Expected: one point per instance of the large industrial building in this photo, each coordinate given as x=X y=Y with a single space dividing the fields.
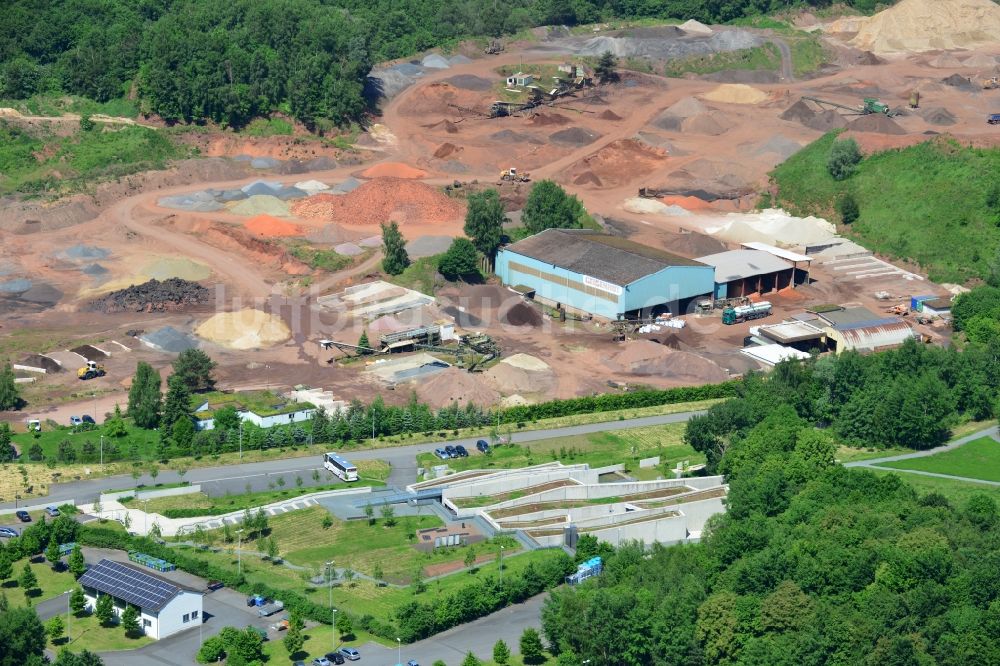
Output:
x=165 y=607
x=602 y=275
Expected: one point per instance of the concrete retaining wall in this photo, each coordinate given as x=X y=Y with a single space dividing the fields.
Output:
x=595 y=491
x=34 y=507
x=151 y=494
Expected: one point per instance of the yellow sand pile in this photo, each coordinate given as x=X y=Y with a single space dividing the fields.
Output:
x=928 y=25
x=246 y=329
x=736 y=93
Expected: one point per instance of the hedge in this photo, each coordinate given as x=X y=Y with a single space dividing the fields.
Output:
x=609 y=402
x=418 y=619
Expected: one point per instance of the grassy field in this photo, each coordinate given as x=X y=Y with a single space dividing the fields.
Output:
x=362 y=596
x=304 y=541
x=40 y=162
x=319 y=641
x=86 y=633
x=759 y=58
x=907 y=202
x=57 y=105
x=50 y=584
x=979 y=459
x=320 y=258
x=596 y=449
x=846 y=454
x=957 y=492
x=420 y=275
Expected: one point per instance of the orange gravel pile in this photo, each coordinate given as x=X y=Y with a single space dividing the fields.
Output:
x=381 y=200
x=690 y=203
x=393 y=170
x=266 y=225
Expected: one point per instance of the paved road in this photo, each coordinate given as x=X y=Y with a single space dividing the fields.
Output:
x=234 y=478
x=954 y=444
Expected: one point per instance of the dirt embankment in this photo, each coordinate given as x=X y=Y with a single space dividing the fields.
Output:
x=259 y=251
x=380 y=200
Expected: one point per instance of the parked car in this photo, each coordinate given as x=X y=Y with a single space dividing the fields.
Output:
x=450 y=450
x=461 y=451
x=350 y=653
x=299 y=663
x=8 y=532
x=214 y=585
x=23 y=516
x=75 y=420
x=321 y=661
x=412 y=662
x=52 y=511
x=441 y=453
x=335 y=657
x=483 y=446
x=87 y=418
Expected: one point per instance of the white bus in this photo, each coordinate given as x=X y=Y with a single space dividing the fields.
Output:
x=340 y=466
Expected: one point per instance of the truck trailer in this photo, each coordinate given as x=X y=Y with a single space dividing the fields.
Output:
x=742 y=313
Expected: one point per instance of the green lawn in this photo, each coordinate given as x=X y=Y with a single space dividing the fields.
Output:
x=420 y=275
x=907 y=202
x=319 y=641
x=303 y=541
x=362 y=596
x=846 y=454
x=86 y=633
x=596 y=449
x=957 y=492
x=979 y=459
x=50 y=584
x=137 y=444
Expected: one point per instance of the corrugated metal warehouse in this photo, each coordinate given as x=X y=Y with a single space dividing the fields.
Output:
x=863 y=330
x=602 y=275
x=744 y=272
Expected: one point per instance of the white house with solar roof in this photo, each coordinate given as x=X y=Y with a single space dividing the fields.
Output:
x=165 y=607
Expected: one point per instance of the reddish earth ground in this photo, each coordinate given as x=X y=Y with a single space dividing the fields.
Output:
x=601 y=148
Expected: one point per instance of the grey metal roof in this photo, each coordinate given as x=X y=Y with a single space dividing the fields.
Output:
x=131 y=584
x=610 y=258
x=851 y=318
x=741 y=264
x=877 y=337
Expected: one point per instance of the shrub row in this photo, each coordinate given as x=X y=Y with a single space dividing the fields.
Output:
x=418 y=619
x=608 y=402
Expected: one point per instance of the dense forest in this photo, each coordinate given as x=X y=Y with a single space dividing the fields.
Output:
x=909 y=397
x=813 y=563
x=228 y=62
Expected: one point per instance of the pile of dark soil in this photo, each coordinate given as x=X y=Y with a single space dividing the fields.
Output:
x=153 y=296
x=799 y=112
x=960 y=82
x=824 y=121
x=522 y=314
x=463 y=319
x=609 y=115
x=574 y=136
x=869 y=58
x=877 y=123
x=939 y=116
x=510 y=136
x=470 y=82
x=90 y=352
x=39 y=361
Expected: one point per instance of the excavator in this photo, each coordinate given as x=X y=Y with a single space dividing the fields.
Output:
x=991 y=83
x=91 y=370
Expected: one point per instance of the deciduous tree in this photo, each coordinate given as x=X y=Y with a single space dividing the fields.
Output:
x=394 y=259
x=532 y=651
x=484 y=221
x=549 y=207
x=145 y=399
x=459 y=262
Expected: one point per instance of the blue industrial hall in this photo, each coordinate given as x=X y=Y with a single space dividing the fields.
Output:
x=602 y=275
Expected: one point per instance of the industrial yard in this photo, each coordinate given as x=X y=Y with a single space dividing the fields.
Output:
x=676 y=167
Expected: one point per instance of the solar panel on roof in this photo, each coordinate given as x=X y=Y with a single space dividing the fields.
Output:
x=130 y=585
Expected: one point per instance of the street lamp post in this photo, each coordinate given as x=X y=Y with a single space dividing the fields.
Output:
x=333 y=611
x=399 y=651
x=501 y=566
x=69 y=620
x=145 y=517
x=241 y=439
x=239 y=552
x=102 y=452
